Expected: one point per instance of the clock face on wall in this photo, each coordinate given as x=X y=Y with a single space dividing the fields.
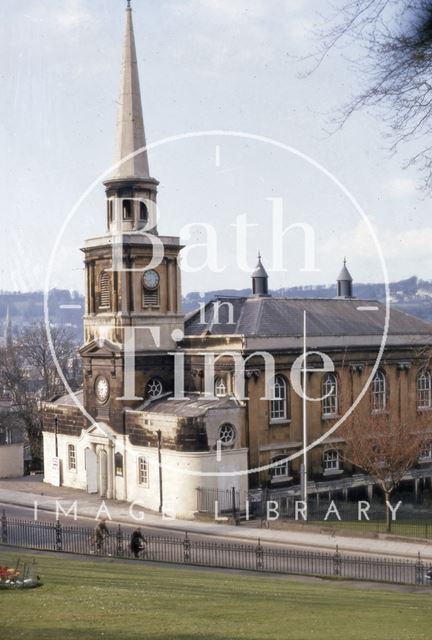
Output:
x=151 y=279
x=102 y=389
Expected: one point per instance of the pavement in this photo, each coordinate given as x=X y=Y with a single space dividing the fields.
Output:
x=25 y=492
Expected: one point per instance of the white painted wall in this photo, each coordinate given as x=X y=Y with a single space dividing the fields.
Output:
x=68 y=478
x=182 y=472
x=11 y=460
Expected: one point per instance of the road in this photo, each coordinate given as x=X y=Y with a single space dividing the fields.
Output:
x=76 y=536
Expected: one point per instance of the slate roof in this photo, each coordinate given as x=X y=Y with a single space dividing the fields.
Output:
x=270 y=317
x=67 y=399
x=196 y=405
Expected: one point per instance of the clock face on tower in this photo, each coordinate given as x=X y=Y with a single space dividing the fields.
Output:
x=102 y=389
x=151 y=279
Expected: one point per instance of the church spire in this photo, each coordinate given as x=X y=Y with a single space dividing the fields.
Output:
x=130 y=122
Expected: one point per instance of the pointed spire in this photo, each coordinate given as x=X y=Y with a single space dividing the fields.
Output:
x=130 y=123
x=259 y=279
x=344 y=283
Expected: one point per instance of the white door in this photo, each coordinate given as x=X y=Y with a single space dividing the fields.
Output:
x=103 y=473
x=91 y=470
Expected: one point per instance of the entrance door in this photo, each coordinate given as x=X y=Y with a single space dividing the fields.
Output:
x=103 y=473
x=91 y=469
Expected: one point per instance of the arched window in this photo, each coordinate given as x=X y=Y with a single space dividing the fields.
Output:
x=143 y=212
x=118 y=464
x=220 y=388
x=379 y=400
x=329 y=394
x=278 y=406
x=127 y=209
x=424 y=390
x=331 y=461
x=104 y=290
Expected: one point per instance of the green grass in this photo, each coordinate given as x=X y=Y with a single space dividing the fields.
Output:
x=116 y=601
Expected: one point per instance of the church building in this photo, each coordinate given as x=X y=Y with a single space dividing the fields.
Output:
x=153 y=427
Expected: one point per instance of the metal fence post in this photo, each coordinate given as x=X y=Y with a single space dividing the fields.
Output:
x=419 y=570
x=259 y=555
x=59 y=536
x=186 y=548
x=337 y=562
x=119 y=539
x=4 y=535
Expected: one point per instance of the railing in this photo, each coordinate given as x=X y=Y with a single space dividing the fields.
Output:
x=363 y=518
x=218 y=501
x=183 y=550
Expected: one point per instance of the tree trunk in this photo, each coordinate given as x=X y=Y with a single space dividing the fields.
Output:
x=387 y=495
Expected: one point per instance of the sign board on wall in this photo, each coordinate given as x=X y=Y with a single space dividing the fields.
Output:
x=55 y=471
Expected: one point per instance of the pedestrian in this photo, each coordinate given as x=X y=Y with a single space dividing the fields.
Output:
x=101 y=532
x=137 y=542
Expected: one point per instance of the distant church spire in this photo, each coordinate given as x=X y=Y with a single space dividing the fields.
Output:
x=344 y=283
x=130 y=122
x=260 y=280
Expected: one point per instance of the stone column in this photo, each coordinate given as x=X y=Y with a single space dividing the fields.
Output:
x=92 y=291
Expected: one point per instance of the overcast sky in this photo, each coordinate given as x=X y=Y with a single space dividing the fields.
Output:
x=204 y=65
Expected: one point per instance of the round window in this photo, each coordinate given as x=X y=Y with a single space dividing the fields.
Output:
x=154 y=388
x=227 y=434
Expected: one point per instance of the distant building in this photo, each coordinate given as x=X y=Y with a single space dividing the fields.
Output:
x=143 y=444
x=12 y=439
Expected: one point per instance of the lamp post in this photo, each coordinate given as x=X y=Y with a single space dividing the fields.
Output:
x=55 y=435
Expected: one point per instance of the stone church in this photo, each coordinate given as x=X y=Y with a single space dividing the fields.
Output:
x=156 y=424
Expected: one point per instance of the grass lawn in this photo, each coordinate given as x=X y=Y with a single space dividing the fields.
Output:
x=86 y=599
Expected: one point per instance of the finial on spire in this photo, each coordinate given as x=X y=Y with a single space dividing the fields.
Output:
x=129 y=4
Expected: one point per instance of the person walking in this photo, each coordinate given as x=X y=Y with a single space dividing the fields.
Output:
x=137 y=542
x=101 y=532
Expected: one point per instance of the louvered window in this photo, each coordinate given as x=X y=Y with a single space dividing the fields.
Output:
x=150 y=297
x=105 y=290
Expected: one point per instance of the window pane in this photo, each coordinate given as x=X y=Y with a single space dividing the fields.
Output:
x=278 y=406
x=330 y=395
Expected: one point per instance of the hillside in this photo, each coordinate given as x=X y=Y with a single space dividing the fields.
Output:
x=413 y=296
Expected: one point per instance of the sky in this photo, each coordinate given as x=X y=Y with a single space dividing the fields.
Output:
x=235 y=66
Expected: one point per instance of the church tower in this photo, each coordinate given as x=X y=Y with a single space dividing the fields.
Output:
x=133 y=286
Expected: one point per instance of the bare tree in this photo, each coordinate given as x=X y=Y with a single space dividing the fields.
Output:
x=28 y=374
x=385 y=447
x=24 y=404
x=395 y=40
x=37 y=354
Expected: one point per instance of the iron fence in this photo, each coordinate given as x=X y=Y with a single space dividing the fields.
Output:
x=184 y=550
x=361 y=517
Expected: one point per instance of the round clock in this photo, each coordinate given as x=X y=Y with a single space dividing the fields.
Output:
x=102 y=389
x=151 y=279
